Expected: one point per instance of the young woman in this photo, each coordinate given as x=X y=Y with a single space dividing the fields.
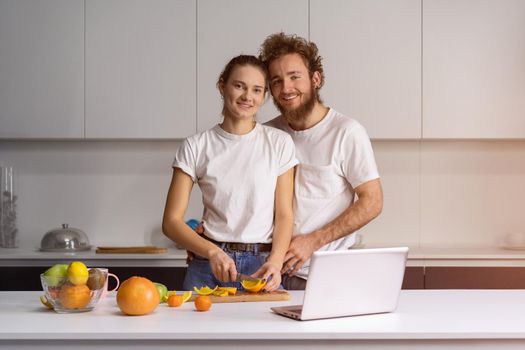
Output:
x=245 y=173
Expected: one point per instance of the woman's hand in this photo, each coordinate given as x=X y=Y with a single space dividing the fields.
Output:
x=222 y=266
x=272 y=273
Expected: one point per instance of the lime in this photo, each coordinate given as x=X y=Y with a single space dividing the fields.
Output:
x=163 y=291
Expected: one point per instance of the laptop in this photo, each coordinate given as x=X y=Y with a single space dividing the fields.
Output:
x=350 y=282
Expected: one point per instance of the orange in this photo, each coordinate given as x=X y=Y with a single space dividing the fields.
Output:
x=175 y=300
x=137 y=296
x=74 y=296
x=202 y=303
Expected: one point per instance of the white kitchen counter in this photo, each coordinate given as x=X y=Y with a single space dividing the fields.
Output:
x=426 y=256
x=440 y=319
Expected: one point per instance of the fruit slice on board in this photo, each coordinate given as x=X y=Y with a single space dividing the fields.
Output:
x=204 y=290
x=253 y=286
x=220 y=293
x=230 y=290
x=186 y=295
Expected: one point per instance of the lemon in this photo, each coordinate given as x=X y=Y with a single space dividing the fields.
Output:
x=253 y=286
x=204 y=290
x=46 y=302
x=77 y=273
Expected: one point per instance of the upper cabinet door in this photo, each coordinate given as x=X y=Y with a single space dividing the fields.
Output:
x=372 y=60
x=140 y=69
x=228 y=28
x=473 y=69
x=42 y=69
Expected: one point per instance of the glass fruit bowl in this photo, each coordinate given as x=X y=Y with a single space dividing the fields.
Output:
x=67 y=297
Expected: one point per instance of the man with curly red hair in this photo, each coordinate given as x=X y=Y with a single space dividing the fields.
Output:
x=337 y=185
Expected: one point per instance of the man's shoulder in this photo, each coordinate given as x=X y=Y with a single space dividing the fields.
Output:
x=343 y=121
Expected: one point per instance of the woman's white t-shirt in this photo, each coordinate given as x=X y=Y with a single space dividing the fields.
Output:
x=237 y=175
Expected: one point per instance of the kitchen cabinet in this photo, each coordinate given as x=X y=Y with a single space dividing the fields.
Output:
x=473 y=69
x=474 y=277
x=228 y=28
x=140 y=69
x=42 y=69
x=372 y=60
x=28 y=277
x=414 y=278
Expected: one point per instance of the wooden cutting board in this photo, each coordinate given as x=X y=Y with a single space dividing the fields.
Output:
x=131 y=250
x=277 y=295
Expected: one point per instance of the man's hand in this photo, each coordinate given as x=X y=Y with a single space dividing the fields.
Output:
x=301 y=249
x=271 y=273
x=222 y=266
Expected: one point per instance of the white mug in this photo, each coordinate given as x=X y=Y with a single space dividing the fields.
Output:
x=105 y=288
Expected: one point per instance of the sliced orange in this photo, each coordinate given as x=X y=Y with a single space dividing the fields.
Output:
x=220 y=293
x=186 y=296
x=253 y=286
x=204 y=290
x=230 y=290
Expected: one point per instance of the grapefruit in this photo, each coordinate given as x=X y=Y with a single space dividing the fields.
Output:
x=137 y=296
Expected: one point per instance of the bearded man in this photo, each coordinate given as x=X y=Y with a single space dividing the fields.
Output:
x=337 y=185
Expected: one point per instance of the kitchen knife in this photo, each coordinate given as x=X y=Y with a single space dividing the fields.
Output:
x=242 y=277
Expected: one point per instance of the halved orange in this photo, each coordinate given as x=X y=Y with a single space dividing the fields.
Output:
x=253 y=286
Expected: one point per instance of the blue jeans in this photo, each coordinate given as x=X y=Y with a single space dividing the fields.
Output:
x=199 y=272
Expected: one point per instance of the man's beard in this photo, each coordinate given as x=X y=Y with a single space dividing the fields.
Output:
x=302 y=112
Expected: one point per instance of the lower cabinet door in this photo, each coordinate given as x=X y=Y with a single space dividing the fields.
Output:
x=479 y=277
x=28 y=277
x=414 y=278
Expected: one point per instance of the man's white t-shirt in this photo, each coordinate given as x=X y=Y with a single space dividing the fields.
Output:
x=237 y=175
x=335 y=156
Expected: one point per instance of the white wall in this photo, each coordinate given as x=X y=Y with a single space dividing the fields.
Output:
x=439 y=193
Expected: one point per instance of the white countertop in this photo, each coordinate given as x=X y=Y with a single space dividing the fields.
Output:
x=421 y=314
x=417 y=256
